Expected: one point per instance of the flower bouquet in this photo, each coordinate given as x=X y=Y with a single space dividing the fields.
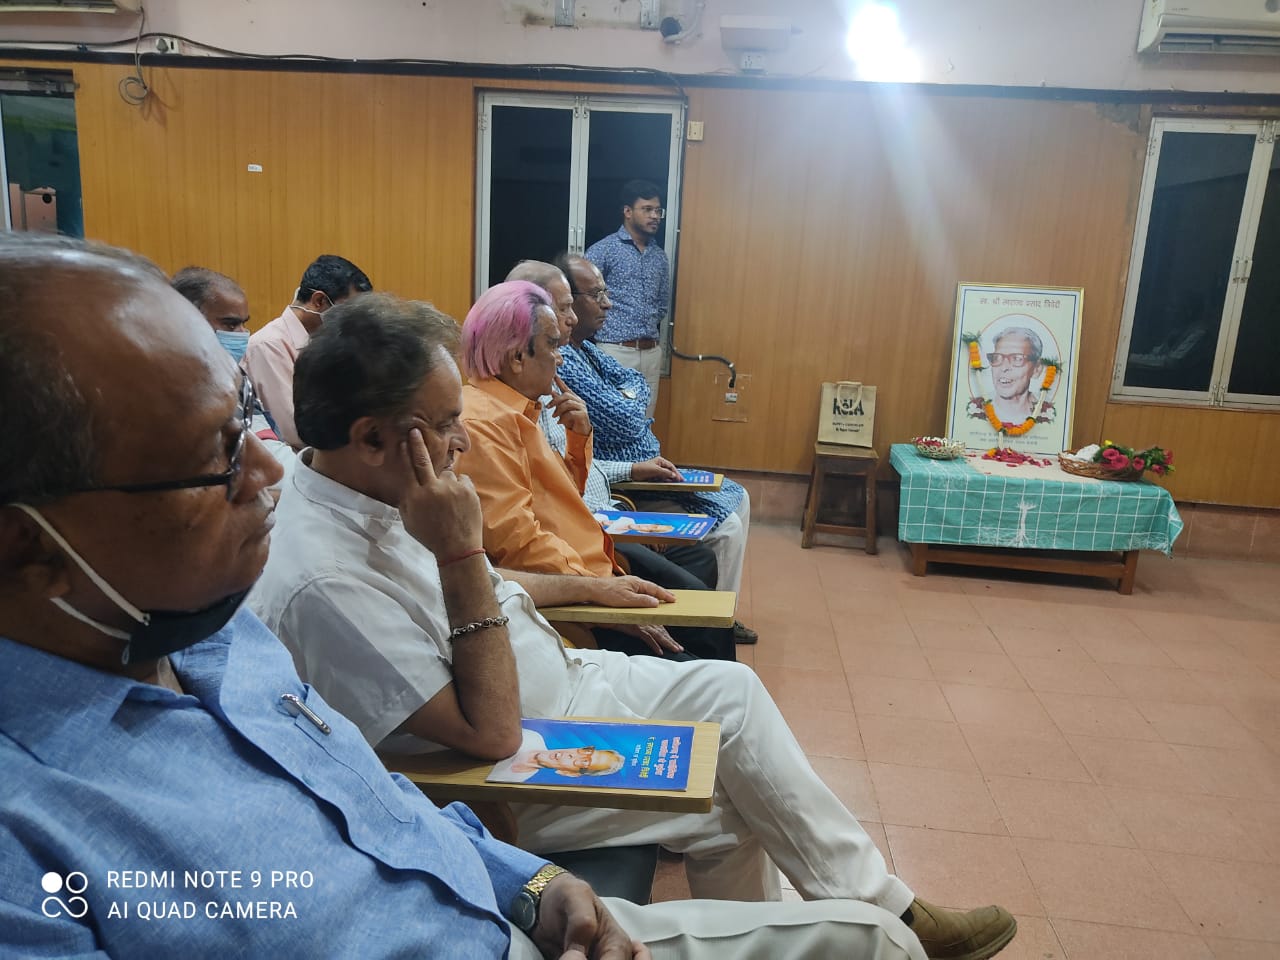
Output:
x=1111 y=461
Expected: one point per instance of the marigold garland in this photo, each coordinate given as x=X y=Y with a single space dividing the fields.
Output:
x=988 y=406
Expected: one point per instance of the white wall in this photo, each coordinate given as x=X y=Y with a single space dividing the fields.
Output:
x=1052 y=43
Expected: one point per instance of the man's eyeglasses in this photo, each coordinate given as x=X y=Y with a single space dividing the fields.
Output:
x=230 y=478
x=658 y=212
x=599 y=296
x=1013 y=359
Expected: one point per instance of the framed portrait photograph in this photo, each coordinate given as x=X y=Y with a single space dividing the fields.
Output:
x=1013 y=369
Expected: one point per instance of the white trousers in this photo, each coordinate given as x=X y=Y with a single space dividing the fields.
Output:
x=728 y=541
x=769 y=806
x=647 y=362
x=698 y=929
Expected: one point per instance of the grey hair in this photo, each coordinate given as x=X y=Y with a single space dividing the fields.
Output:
x=197 y=284
x=537 y=272
x=49 y=446
x=1033 y=338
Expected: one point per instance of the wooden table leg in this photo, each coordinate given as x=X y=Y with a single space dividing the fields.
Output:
x=919 y=558
x=870 y=480
x=1130 y=572
x=811 y=506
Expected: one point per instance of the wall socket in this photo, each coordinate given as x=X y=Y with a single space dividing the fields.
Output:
x=751 y=61
x=170 y=46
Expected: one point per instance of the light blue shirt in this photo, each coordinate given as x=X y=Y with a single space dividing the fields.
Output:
x=105 y=776
x=639 y=287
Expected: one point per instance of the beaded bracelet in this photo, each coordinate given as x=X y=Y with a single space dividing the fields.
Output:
x=459 y=632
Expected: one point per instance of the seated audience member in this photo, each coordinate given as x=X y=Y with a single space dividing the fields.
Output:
x=617 y=399
x=535 y=518
x=273 y=349
x=378 y=585
x=223 y=304
x=148 y=729
x=697 y=559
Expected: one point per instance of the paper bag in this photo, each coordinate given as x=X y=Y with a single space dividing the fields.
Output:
x=847 y=414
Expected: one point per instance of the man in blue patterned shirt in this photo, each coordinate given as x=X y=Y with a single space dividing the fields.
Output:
x=639 y=279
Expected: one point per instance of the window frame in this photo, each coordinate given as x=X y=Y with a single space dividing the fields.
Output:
x=1218 y=394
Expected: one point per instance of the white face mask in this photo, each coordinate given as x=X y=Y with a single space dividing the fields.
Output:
x=314 y=313
x=159 y=632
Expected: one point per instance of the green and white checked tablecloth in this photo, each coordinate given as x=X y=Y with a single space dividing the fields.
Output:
x=949 y=501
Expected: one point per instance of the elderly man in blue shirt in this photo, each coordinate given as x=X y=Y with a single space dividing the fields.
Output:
x=170 y=787
x=639 y=279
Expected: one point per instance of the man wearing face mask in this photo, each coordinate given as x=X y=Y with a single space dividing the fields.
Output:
x=272 y=350
x=223 y=304
x=149 y=727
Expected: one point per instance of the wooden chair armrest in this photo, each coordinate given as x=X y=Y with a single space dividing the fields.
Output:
x=692 y=608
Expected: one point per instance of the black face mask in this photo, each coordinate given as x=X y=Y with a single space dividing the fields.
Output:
x=158 y=632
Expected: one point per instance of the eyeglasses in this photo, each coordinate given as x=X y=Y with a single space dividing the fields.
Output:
x=230 y=478
x=658 y=212
x=1013 y=359
x=599 y=296
x=583 y=757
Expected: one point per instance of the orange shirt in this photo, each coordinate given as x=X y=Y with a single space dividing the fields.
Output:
x=534 y=516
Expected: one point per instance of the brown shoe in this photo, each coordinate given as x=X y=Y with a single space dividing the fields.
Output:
x=953 y=935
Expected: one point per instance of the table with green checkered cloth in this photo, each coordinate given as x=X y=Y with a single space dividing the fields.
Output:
x=949 y=501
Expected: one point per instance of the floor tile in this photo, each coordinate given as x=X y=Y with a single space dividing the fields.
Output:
x=1060 y=675
x=963 y=869
x=1206 y=725
x=1209 y=656
x=1035 y=940
x=895 y=697
x=935 y=605
x=1100 y=884
x=826 y=733
x=1224 y=949
x=1129 y=650
x=1247 y=774
x=977 y=669
x=913 y=742
x=1135 y=763
x=1260 y=820
x=824 y=689
x=851 y=782
x=1009 y=751
x=937 y=799
x=1098 y=716
x=1147 y=682
x=946 y=635
x=884 y=660
x=1240 y=899
x=1054 y=810
x=1179 y=823
x=1097 y=941
x=1015 y=709
x=1029 y=642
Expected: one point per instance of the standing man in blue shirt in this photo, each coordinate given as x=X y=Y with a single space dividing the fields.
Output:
x=639 y=279
x=170 y=787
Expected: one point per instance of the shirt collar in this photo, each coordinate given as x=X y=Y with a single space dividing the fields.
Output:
x=293 y=327
x=58 y=709
x=510 y=398
x=626 y=237
x=373 y=516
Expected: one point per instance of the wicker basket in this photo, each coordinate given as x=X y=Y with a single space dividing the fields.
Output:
x=941 y=448
x=1097 y=471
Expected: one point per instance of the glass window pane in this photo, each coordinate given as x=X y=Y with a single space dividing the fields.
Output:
x=532 y=149
x=42 y=160
x=624 y=146
x=1195 y=214
x=1256 y=365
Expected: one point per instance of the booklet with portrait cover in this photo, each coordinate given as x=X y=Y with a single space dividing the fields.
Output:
x=667 y=526
x=591 y=753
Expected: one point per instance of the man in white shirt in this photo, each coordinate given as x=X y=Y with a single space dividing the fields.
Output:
x=379 y=587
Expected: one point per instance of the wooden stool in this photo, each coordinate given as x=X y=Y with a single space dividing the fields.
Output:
x=837 y=460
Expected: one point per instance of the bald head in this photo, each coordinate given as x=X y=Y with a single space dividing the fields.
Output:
x=553 y=281
x=80 y=328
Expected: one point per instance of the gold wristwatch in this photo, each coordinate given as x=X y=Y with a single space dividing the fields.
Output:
x=524 y=908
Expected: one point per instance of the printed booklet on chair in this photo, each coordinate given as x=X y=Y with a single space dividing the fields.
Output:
x=590 y=753
x=696 y=476
x=665 y=526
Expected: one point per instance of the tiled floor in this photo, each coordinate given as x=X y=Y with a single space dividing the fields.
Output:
x=1106 y=767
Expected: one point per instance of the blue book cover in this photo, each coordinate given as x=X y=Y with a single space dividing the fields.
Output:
x=668 y=526
x=697 y=476
x=589 y=753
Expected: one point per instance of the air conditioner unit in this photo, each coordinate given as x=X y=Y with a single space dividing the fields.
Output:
x=1210 y=26
x=70 y=6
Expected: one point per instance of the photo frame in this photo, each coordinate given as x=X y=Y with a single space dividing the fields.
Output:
x=1014 y=353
